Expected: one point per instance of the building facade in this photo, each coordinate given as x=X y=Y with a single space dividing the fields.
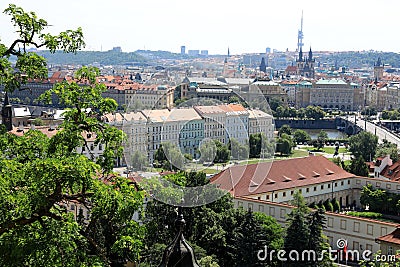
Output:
x=330 y=94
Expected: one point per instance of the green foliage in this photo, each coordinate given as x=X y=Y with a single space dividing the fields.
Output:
x=358 y=167
x=274 y=103
x=328 y=205
x=363 y=144
x=387 y=148
x=301 y=136
x=285 y=129
x=390 y=114
x=322 y=135
x=208 y=261
x=139 y=161
x=37 y=122
x=40 y=176
x=379 y=200
x=365 y=214
x=335 y=205
x=169 y=157
x=370 y=111
x=85 y=58
x=222 y=231
x=31 y=33
x=284 y=144
x=238 y=150
x=315 y=113
x=259 y=146
x=304 y=231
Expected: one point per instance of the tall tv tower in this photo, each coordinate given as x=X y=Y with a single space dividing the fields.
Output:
x=300 y=34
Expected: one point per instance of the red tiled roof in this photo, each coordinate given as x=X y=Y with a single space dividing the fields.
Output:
x=44 y=129
x=291 y=68
x=393 y=237
x=270 y=176
x=392 y=172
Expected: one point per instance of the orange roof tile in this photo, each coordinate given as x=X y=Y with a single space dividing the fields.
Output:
x=283 y=174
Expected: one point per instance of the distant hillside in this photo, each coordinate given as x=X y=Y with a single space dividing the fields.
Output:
x=149 y=54
x=90 y=57
x=360 y=59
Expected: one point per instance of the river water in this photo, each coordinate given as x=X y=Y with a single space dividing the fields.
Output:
x=332 y=134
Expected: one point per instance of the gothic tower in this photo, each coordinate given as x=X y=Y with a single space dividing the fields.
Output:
x=378 y=69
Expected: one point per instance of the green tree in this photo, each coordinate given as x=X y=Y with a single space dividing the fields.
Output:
x=358 y=167
x=139 y=161
x=37 y=122
x=336 y=205
x=304 y=231
x=374 y=198
x=363 y=144
x=275 y=102
x=301 y=136
x=387 y=148
x=285 y=129
x=322 y=135
x=208 y=261
x=315 y=113
x=284 y=144
x=169 y=157
x=238 y=151
x=297 y=231
x=31 y=33
x=41 y=175
x=208 y=151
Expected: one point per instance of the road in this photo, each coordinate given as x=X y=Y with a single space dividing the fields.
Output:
x=380 y=132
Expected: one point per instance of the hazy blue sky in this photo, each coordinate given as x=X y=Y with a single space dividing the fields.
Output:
x=215 y=25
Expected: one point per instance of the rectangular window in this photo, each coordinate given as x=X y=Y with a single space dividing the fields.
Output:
x=343 y=224
x=272 y=211
x=283 y=214
x=330 y=222
x=356 y=227
x=370 y=229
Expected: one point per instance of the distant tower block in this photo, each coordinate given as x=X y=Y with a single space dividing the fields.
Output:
x=300 y=35
x=183 y=49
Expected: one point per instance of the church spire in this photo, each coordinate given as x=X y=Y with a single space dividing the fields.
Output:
x=310 y=55
x=301 y=55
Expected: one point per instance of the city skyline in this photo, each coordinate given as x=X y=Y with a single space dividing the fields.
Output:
x=217 y=25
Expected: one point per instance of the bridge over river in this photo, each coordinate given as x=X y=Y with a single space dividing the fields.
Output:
x=372 y=127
